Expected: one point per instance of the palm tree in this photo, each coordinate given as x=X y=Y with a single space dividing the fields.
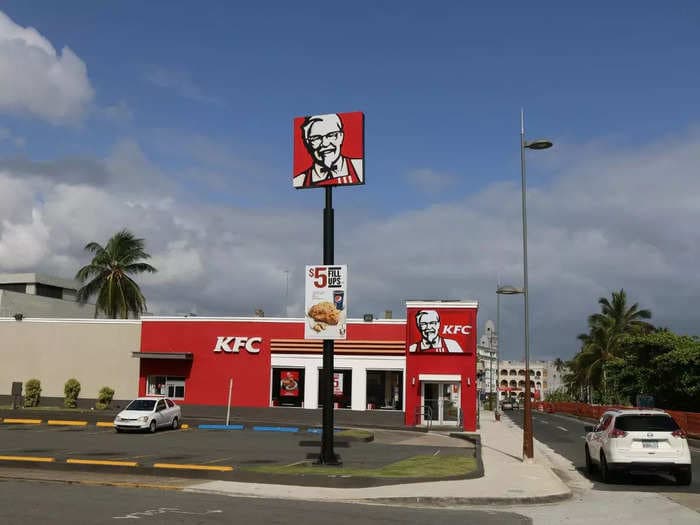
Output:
x=118 y=295
x=619 y=317
x=601 y=344
x=559 y=364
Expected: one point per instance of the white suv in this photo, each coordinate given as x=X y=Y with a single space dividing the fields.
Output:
x=628 y=439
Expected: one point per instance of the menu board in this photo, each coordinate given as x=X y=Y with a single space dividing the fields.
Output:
x=326 y=302
x=289 y=383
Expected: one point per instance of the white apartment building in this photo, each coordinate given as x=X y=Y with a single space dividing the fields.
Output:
x=507 y=377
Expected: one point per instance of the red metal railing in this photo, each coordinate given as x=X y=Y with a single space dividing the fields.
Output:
x=688 y=421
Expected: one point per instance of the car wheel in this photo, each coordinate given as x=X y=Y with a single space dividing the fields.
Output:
x=605 y=474
x=684 y=478
x=176 y=423
x=152 y=427
x=590 y=467
x=118 y=430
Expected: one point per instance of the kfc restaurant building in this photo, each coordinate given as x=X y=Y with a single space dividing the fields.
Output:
x=424 y=365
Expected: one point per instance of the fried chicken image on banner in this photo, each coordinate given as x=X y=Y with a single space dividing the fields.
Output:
x=325 y=312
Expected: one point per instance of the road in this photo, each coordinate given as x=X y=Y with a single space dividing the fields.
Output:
x=39 y=503
x=565 y=435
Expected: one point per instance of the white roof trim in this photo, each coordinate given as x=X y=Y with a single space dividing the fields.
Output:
x=455 y=378
x=442 y=304
x=151 y=318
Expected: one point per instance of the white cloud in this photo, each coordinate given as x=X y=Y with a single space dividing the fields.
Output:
x=618 y=219
x=28 y=239
x=188 y=267
x=38 y=80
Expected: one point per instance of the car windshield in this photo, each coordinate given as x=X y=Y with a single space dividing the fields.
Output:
x=646 y=423
x=142 y=404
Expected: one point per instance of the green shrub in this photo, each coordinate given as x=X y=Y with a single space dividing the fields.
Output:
x=32 y=393
x=71 y=391
x=104 y=398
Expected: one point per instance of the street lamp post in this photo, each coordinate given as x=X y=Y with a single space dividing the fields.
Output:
x=528 y=449
x=490 y=370
x=501 y=290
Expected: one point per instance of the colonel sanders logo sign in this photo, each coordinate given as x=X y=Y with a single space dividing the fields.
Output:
x=329 y=150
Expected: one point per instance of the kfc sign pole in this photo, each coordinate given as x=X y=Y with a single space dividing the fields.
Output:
x=328 y=151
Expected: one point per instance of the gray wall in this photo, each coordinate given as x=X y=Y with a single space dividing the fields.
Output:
x=12 y=303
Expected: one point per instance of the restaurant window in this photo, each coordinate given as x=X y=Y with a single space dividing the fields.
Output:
x=171 y=386
x=384 y=390
x=342 y=388
x=288 y=387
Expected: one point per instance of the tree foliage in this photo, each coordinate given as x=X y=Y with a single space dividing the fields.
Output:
x=601 y=346
x=108 y=276
x=661 y=364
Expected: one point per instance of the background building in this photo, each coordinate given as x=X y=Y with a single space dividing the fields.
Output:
x=32 y=295
x=508 y=376
x=487 y=359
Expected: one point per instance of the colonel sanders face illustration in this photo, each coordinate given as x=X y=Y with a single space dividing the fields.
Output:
x=428 y=322
x=323 y=136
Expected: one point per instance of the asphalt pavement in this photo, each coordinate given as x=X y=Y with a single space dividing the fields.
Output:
x=506 y=478
x=38 y=503
x=216 y=454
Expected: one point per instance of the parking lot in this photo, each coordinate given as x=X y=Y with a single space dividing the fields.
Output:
x=219 y=454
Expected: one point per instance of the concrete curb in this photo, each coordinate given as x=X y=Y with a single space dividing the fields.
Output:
x=455 y=501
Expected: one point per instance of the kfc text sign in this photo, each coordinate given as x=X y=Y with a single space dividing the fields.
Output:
x=221 y=350
x=233 y=345
x=329 y=150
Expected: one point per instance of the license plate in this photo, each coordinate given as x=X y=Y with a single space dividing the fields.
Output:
x=650 y=444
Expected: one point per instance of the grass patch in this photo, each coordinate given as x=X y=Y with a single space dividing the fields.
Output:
x=355 y=433
x=416 y=467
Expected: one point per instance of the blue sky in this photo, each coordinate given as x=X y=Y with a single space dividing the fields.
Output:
x=181 y=125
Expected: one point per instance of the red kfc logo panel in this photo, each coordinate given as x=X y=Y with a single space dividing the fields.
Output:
x=441 y=331
x=329 y=150
x=441 y=344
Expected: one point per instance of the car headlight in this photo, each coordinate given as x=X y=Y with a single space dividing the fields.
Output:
x=119 y=418
x=143 y=419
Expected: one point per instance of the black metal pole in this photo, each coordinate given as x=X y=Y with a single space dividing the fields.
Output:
x=328 y=456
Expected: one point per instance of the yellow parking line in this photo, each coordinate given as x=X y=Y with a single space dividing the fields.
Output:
x=66 y=423
x=103 y=462
x=27 y=458
x=23 y=421
x=192 y=467
x=105 y=424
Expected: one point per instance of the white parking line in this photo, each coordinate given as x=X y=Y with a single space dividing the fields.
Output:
x=564 y=429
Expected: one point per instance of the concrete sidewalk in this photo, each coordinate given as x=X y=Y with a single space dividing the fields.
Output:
x=507 y=479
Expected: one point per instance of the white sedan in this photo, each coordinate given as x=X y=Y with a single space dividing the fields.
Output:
x=149 y=413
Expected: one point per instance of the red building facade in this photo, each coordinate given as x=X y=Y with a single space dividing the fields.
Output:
x=266 y=362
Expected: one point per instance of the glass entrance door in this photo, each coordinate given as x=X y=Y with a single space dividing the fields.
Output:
x=442 y=403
